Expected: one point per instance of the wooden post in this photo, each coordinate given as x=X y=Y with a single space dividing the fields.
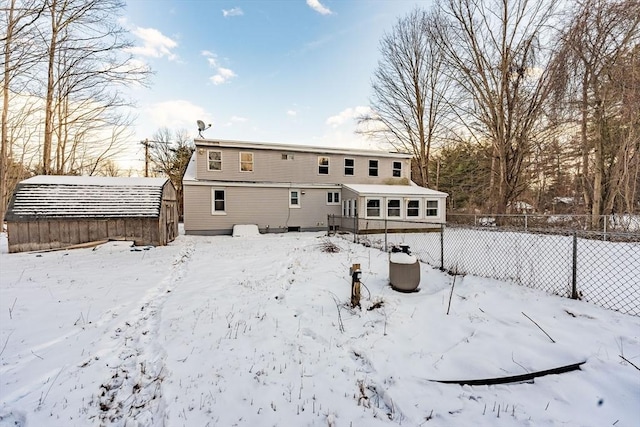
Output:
x=355 y=285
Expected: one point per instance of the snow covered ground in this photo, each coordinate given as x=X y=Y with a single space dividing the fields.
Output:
x=255 y=331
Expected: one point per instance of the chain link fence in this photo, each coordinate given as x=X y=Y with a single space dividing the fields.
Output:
x=595 y=266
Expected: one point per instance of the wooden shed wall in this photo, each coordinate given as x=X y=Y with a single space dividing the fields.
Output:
x=59 y=233
x=168 y=224
x=31 y=234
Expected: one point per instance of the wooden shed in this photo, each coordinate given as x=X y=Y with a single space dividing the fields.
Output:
x=51 y=212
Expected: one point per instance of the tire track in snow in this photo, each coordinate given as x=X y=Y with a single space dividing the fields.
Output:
x=133 y=395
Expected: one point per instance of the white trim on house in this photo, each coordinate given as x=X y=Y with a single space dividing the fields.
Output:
x=246 y=162
x=295 y=200
x=216 y=200
x=214 y=160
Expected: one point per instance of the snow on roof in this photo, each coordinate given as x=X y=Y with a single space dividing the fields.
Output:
x=296 y=148
x=190 y=172
x=83 y=196
x=95 y=180
x=400 y=190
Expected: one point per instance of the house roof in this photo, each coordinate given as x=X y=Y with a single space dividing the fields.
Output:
x=393 y=190
x=86 y=196
x=296 y=148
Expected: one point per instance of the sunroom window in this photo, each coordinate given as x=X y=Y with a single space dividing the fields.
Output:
x=393 y=208
x=373 y=208
x=432 y=208
x=413 y=208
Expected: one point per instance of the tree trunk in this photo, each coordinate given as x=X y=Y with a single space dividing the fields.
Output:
x=49 y=106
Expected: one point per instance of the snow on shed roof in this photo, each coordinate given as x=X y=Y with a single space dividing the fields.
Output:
x=86 y=196
x=394 y=190
x=95 y=180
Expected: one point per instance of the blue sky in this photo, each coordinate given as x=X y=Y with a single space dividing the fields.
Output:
x=283 y=71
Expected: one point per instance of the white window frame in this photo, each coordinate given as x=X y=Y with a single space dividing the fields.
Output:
x=377 y=167
x=251 y=162
x=395 y=170
x=299 y=194
x=419 y=209
x=320 y=158
x=352 y=167
x=209 y=160
x=346 y=206
x=399 y=208
x=215 y=211
x=380 y=207
x=334 y=196
x=354 y=207
x=428 y=208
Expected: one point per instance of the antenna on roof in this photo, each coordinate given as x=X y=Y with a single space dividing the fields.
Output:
x=201 y=127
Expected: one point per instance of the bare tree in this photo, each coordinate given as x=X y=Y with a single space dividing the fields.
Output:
x=170 y=152
x=409 y=91
x=19 y=53
x=600 y=50
x=495 y=55
x=87 y=63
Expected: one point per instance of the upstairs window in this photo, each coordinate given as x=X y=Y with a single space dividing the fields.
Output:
x=323 y=165
x=373 y=168
x=397 y=169
x=246 y=162
x=432 y=208
x=333 y=198
x=286 y=156
x=215 y=160
x=349 y=167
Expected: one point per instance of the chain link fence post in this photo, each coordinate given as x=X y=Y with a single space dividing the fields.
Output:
x=441 y=247
x=574 y=267
x=355 y=229
x=385 y=235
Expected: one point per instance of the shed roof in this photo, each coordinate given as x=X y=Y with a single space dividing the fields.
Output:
x=48 y=196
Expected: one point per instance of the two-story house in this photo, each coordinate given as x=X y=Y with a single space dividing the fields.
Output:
x=295 y=188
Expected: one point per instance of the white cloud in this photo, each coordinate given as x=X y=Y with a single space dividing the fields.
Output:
x=236 y=11
x=347 y=116
x=222 y=74
x=154 y=44
x=292 y=113
x=318 y=7
x=238 y=119
x=177 y=114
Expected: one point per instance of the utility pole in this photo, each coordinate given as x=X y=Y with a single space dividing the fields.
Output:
x=146 y=144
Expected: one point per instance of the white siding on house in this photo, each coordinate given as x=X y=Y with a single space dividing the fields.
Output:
x=268 y=207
